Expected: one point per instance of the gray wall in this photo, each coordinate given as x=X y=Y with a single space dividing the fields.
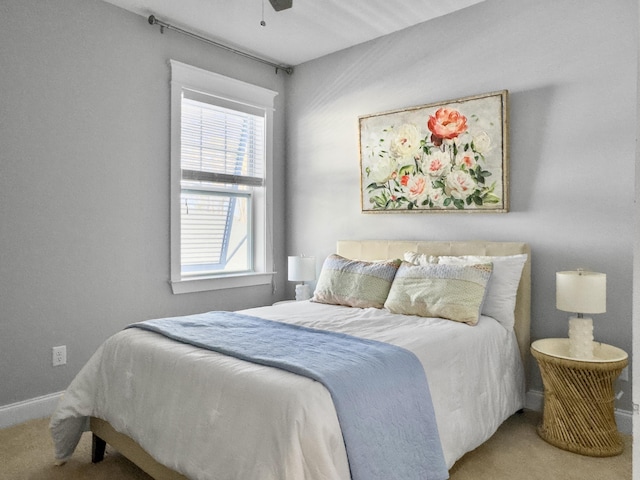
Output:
x=636 y=274
x=570 y=68
x=84 y=161
x=84 y=183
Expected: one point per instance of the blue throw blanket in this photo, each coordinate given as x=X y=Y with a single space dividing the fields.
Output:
x=380 y=391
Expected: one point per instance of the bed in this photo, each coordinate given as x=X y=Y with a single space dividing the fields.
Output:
x=203 y=415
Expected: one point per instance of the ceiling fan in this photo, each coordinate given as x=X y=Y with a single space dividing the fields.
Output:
x=280 y=4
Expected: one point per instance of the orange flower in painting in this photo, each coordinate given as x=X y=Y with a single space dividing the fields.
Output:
x=447 y=123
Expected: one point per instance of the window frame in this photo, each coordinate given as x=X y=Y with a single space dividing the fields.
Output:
x=237 y=92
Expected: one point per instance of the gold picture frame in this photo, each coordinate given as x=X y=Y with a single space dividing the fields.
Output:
x=449 y=156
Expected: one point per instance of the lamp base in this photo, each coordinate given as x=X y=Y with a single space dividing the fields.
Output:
x=303 y=292
x=581 y=338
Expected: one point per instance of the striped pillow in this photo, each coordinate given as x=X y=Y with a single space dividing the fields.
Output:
x=354 y=283
x=454 y=292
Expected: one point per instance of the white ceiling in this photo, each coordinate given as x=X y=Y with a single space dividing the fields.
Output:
x=308 y=30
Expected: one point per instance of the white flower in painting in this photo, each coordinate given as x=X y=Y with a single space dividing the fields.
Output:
x=418 y=188
x=383 y=170
x=437 y=197
x=436 y=164
x=460 y=184
x=482 y=142
x=406 y=141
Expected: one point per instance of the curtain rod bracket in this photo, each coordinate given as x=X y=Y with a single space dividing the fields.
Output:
x=154 y=21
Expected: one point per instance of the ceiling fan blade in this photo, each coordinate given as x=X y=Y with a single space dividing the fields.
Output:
x=281 y=4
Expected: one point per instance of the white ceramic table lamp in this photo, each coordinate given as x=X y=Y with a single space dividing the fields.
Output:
x=581 y=292
x=302 y=269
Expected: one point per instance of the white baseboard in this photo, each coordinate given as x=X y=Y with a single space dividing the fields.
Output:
x=624 y=418
x=31 y=409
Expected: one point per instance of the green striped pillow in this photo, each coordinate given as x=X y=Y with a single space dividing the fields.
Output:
x=354 y=283
x=454 y=292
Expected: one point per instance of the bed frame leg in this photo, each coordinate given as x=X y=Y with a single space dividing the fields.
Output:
x=98 y=447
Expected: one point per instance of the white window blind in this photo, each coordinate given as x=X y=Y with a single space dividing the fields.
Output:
x=222 y=162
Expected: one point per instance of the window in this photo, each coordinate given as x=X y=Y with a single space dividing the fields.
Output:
x=220 y=197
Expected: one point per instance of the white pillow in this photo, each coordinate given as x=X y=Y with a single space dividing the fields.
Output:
x=419 y=258
x=500 y=301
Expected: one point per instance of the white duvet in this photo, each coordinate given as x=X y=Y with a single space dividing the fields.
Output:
x=209 y=416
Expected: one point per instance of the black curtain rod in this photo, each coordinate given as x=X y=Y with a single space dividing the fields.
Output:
x=154 y=21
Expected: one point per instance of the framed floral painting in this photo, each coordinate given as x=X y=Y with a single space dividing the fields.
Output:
x=444 y=157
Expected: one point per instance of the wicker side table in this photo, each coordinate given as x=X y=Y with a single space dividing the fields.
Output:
x=578 y=410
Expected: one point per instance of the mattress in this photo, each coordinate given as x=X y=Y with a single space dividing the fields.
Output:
x=207 y=415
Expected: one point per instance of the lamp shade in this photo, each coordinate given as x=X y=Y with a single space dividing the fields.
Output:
x=581 y=292
x=302 y=269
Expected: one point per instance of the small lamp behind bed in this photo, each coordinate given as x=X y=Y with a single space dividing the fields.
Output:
x=302 y=269
x=581 y=292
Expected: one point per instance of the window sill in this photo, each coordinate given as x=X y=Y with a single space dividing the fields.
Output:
x=221 y=283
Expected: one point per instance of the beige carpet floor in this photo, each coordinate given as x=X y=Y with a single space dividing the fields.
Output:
x=514 y=452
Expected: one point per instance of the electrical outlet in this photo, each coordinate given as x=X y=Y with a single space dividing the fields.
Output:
x=624 y=375
x=59 y=355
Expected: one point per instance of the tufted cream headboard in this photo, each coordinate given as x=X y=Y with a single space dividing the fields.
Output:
x=386 y=249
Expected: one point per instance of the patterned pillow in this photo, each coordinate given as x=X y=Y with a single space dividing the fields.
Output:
x=502 y=290
x=354 y=283
x=455 y=292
